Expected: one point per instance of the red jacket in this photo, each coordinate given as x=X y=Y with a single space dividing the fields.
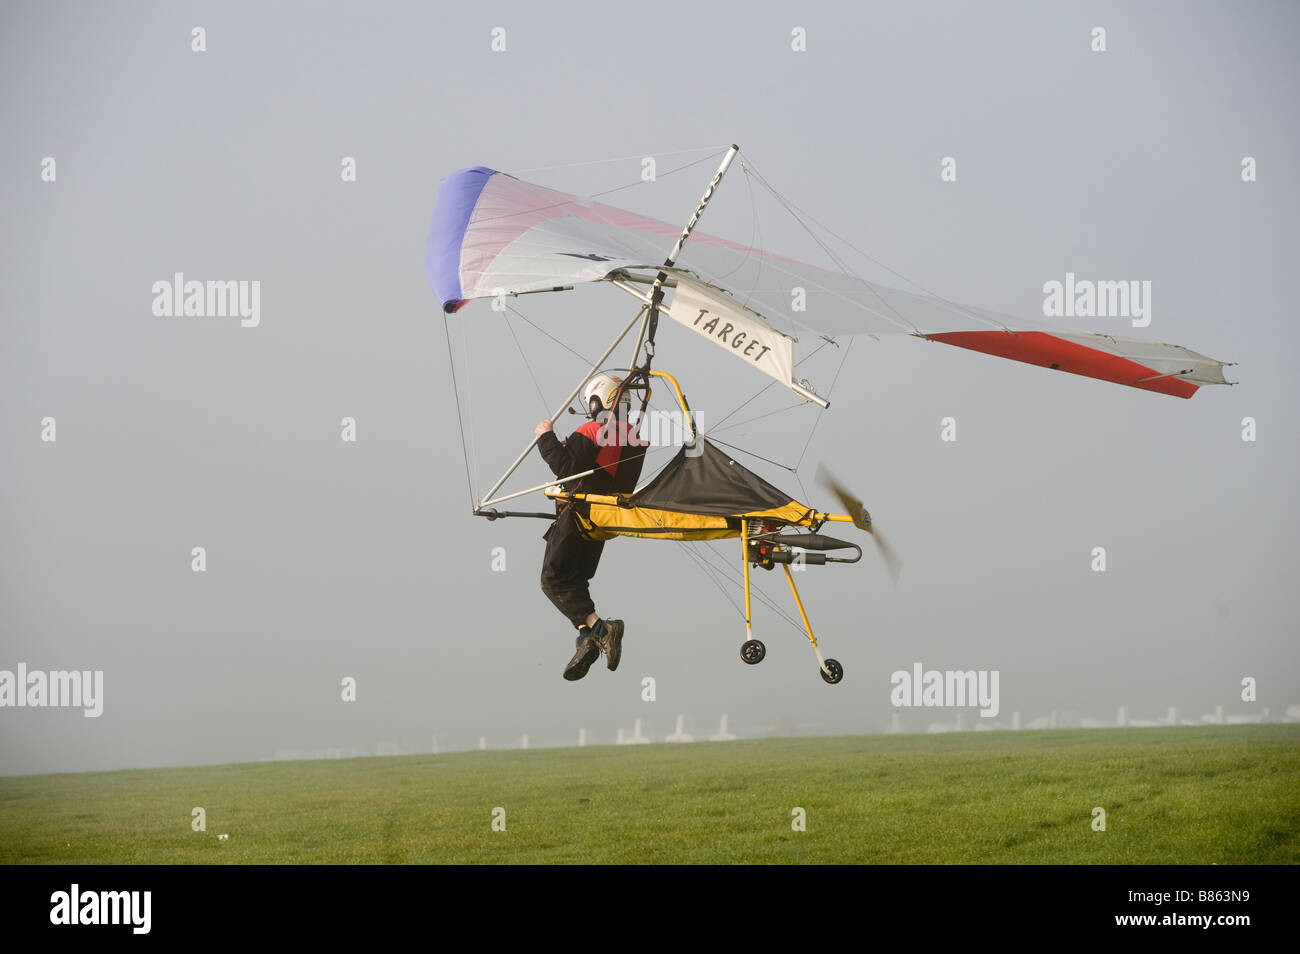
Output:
x=613 y=450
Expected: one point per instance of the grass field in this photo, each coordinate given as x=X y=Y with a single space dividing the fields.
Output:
x=1225 y=794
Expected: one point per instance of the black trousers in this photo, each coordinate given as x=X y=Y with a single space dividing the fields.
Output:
x=568 y=566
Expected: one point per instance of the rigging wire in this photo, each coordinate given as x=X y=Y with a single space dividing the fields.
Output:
x=734 y=577
x=761 y=391
x=742 y=450
x=769 y=384
x=717 y=428
x=791 y=208
x=756 y=230
x=711 y=574
x=760 y=417
x=825 y=341
x=715 y=573
x=802 y=489
x=663 y=175
x=455 y=390
x=829 y=392
x=595 y=162
x=758 y=227
x=546 y=408
x=585 y=359
x=469 y=397
x=829 y=252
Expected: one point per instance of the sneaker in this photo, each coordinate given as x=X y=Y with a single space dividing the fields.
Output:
x=587 y=653
x=608 y=635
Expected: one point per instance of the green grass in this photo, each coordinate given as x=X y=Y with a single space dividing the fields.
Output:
x=1226 y=795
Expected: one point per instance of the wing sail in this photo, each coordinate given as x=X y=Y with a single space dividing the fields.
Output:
x=493 y=234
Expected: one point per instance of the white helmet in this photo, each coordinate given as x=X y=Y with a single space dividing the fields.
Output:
x=599 y=393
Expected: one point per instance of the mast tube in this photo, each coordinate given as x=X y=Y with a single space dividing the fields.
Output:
x=657 y=291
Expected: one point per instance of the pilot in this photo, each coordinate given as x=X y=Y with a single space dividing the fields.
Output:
x=610 y=447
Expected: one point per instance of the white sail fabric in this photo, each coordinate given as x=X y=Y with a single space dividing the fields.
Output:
x=494 y=234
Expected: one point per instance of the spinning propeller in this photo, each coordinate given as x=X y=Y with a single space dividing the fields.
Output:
x=861 y=519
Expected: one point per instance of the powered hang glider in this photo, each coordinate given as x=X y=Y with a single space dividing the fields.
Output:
x=494 y=235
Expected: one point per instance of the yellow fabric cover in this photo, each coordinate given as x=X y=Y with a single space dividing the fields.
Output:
x=608 y=520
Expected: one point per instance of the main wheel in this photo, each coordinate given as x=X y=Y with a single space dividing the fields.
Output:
x=753 y=651
x=835 y=669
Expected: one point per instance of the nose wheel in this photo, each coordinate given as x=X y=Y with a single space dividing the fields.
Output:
x=835 y=669
x=752 y=651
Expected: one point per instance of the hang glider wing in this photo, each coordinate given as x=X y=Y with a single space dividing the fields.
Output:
x=493 y=234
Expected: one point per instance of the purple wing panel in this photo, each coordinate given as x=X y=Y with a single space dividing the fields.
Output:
x=458 y=194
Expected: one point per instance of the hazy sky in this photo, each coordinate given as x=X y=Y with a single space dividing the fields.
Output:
x=329 y=559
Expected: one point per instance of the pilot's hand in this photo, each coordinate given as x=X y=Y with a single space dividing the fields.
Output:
x=543 y=428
